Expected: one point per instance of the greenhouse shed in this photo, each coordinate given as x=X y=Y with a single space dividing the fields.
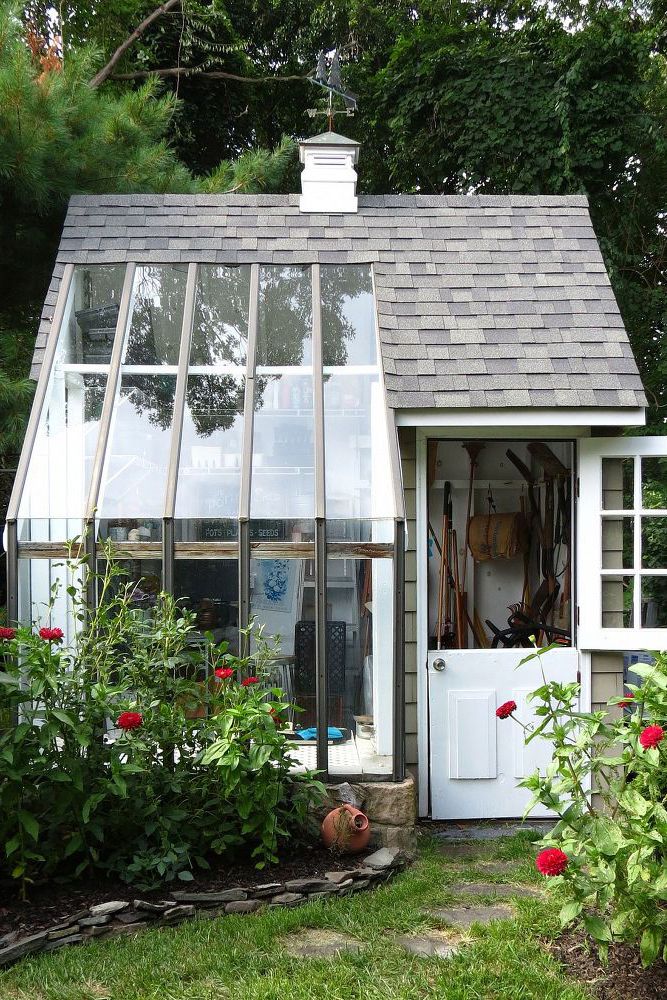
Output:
x=382 y=426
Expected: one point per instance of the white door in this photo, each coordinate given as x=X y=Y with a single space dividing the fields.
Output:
x=477 y=759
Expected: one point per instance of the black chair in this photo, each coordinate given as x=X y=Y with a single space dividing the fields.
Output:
x=304 y=671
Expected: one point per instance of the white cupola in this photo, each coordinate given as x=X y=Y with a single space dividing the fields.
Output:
x=328 y=179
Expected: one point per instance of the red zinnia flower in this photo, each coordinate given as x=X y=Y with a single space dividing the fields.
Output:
x=651 y=736
x=505 y=710
x=224 y=673
x=627 y=701
x=7 y=633
x=129 y=720
x=51 y=634
x=551 y=861
x=277 y=720
x=248 y=681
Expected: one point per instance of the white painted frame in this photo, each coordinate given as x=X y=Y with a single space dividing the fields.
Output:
x=503 y=430
x=589 y=570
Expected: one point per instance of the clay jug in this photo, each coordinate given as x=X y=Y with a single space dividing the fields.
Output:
x=346 y=830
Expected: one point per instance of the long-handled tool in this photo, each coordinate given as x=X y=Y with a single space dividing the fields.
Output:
x=473 y=448
x=444 y=620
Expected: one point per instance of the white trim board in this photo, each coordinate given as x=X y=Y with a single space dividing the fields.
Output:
x=495 y=421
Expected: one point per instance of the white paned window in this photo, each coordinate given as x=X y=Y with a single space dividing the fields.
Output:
x=622 y=551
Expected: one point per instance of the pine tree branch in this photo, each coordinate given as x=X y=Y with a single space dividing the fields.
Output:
x=107 y=70
x=213 y=74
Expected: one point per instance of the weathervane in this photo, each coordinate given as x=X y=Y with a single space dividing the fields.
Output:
x=333 y=84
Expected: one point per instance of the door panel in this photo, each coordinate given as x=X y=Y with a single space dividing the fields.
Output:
x=476 y=758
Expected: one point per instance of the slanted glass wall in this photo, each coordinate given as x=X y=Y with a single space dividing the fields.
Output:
x=225 y=428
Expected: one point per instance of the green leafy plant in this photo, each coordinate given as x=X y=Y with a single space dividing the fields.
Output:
x=141 y=747
x=607 y=853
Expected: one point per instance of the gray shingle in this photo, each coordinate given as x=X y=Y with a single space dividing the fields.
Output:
x=482 y=300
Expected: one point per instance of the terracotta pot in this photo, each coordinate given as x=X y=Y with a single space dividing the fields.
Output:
x=346 y=829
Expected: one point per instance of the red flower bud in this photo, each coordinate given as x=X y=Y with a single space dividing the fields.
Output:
x=551 y=861
x=248 y=681
x=651 y=736
x=129 y=720
x=505 y=710
x=7 y=633
x=627 y=701
x=51 y=634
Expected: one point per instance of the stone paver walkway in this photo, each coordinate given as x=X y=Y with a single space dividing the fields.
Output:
x=502 y=889
x=312 y=942
x=466 y=916
x=429 y=944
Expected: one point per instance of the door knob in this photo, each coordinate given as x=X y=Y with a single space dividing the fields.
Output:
x=439 y=664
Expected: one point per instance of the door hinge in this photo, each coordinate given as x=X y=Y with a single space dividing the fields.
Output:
x=578 y=676
x=578 y=615
x=576 y=488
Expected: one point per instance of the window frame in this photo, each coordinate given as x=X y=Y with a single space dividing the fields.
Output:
x=591 y=513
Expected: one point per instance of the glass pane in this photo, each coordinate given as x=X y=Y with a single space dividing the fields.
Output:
x=282 y=598
x=654 y=601
x=284 y=335
x=283 y=457
x=209 y=469
x=617 y=601
x=348 y=315
x=42 y=592
x=654 y=483
x=154 y=336
x=618 y=485
x=88 y=330
x=200 y=529
x=360 y=657
x=356 y=450
x=130 y=530
x=210 y=588
x=143 y=577
x=281 y=530
x=654 y=542
x=58 y=480
x=618 y=543
x=135 y=467
x=220 y=333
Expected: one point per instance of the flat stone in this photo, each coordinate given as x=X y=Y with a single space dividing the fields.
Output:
x=320 y=943
x=98 y=931
x=211 y=898
x=340 y=876
x=306 y=885
x=104 y=918
x=24 y=946
x=62 y=932
x=266 y=889
x=74 y=919
x=8 y=938
x=429 y=944
x=501 y=889
x=494 y=831
x=143 y=904
x=361 y=883
x=63 y=941
x=179 y=912
x=114 y=906
x=116 y=930
x=287 y=899
x=497 y=867
x=466 y=916
x=131 y=917
x=243 y=906
x=386 y=857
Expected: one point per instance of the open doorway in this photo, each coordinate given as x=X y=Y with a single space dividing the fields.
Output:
x=500 y=543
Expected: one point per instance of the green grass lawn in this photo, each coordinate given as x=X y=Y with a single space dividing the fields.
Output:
x=243 y=958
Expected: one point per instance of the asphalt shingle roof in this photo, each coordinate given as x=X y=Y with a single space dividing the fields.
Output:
x=483 y=301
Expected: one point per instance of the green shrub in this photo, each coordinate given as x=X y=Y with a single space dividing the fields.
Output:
x=608 y=854
x=200 y=768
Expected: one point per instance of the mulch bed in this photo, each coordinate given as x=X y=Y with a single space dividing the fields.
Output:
x=621 y=978
x=52 y=903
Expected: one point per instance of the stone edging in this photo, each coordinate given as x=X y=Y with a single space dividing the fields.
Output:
x=105 y=920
